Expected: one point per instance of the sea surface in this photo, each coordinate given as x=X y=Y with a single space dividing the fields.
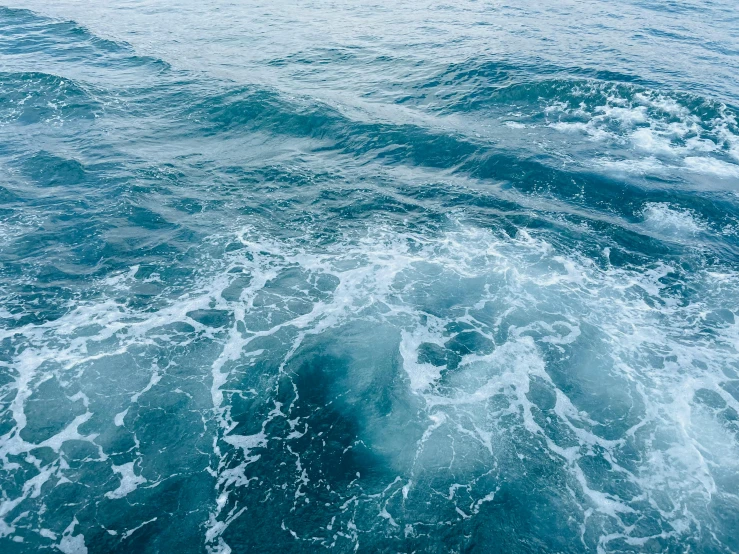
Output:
x=351 y=276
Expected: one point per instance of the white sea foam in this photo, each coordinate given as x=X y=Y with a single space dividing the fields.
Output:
x=663 y=218
x=649 y=165
x=514 y=125
x=70 y=543
x=711 y=166
x=420 y=375
x=129 y=481
x=517 y=304
x=653 y=142
x=662 y=129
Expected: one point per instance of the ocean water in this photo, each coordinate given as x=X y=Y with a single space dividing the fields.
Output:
x=369 y=277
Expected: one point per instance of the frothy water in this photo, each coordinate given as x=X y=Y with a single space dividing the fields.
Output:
x=362 y=291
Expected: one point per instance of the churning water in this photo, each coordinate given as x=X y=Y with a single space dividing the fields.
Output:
x=373 y=277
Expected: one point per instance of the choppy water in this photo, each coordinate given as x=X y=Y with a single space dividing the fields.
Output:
x=369 y=277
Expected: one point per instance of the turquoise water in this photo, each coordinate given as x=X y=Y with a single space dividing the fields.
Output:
x=365 y=277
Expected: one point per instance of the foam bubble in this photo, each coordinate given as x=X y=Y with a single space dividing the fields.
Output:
x=668 y=131
x=711 y=166
x=663 y=218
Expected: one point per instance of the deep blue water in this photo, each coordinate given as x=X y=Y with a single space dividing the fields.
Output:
x=373 y=277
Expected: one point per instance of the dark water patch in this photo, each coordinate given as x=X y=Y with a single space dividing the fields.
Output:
x=48 y=170
x=32 y=98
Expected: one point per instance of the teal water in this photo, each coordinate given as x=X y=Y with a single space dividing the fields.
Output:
x=368 y=277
